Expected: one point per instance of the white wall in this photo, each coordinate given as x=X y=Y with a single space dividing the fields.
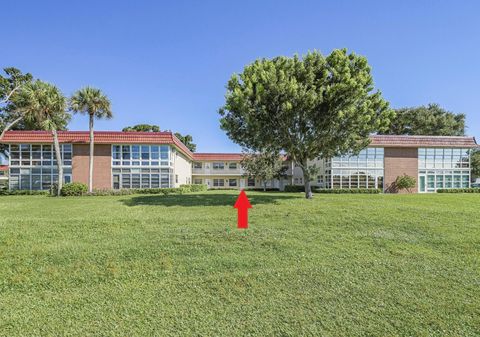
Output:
x=182 y=169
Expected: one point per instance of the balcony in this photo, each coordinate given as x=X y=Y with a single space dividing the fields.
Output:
x=217 y=172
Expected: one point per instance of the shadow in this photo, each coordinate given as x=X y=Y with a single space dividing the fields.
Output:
x=205 y=199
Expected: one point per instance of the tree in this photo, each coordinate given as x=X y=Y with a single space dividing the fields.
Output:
x=475 y=163
x=142 y=128
x=308 y=107
x=187 y=140
x=405 y=182
x=10 y=86
x=44 y=104
x=430 y=120
x=91 y=102
x=264 y=166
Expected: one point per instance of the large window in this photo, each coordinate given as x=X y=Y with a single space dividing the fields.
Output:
x=142 y=166
x=362 y=171
x=34 y=166
x=443 y=168
x=141 y=155
x=141 y=177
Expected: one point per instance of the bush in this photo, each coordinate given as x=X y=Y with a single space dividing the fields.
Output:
x=458 y=190
x=349 y=190
x=259 y=189
x=405 y=182
x=74 y=189
x=294 y=188
x=194 y=187
x=22 y=192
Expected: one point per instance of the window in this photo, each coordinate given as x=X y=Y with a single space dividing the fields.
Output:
x=197 y=165
x=251 y=182
x=362 y=171
x=176 y=178
x=33 y=166
x=140 y=155
x=232 y=166
x=232 y=182
x=218 y=166
x=197 y=181
x=145 y=178
x=443 y=168
x=218 y=182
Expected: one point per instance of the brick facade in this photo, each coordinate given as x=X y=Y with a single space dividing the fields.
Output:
x=400 y=161
x=102 y=165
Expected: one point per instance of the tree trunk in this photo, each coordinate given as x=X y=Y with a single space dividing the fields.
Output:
x=306 y=180
x=9 y=126
x=264 y=186
x=90 y=164
x=59 y=161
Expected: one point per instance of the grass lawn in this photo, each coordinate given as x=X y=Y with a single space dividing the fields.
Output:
x=337 y=265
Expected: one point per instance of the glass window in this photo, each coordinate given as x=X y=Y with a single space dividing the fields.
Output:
x=251 y=182
x=218 y=166
x=197 y=165
x=232 y=166
x=218 y=182
x=232 y=182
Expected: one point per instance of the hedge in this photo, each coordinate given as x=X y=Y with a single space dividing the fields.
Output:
x=315 y=189
x=350 y=190
x=23 y=192
x=74 y=189
x=458 y=190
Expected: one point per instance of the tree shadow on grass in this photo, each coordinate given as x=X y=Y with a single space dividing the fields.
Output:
x=204 y=199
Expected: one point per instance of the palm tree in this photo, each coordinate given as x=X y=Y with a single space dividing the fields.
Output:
x=44 y=104
x=93 y=102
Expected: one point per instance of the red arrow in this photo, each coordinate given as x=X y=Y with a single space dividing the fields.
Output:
x=242 y=205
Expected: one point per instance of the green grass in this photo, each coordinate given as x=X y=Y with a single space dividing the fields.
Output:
x=338 y=265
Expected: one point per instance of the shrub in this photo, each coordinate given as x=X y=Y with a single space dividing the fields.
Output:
x=74 y=189
x=349 y=190
x=405 y=182
x=294 y=188
x=259 y=189
x=458 y=190
x=194 y=187
x=22 y=192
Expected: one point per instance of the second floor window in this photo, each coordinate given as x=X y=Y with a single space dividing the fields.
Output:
x=232 y=166
x=197 y=165
x=218 y=166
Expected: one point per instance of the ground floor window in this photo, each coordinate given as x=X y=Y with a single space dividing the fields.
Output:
x=251 y=182
x=356 y=178
x=37 y=178
x=197 y=181
x=218 y=182
x=431 y=180
x=142 y=178
x=232 y=182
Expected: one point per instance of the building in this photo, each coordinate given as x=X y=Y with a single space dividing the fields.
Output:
x=159 y=159
x=3 y=176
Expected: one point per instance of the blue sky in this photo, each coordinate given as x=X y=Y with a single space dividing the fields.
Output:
x=167 y=63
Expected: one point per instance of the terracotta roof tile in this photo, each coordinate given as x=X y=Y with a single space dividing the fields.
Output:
x=3 y=167
x=217 y=156
x=422 y=141
x=101 y=137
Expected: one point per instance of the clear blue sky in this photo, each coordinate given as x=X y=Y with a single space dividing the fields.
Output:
x=167 y=63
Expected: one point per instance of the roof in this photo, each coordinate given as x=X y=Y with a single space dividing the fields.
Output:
x=217 y=156
x=3 y=167
x=422 y=141
x=101 y=137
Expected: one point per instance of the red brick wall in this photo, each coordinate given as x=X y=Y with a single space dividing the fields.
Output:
x=400 y=161
x=102 y=165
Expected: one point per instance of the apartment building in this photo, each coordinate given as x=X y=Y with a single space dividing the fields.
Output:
x=159 y=159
